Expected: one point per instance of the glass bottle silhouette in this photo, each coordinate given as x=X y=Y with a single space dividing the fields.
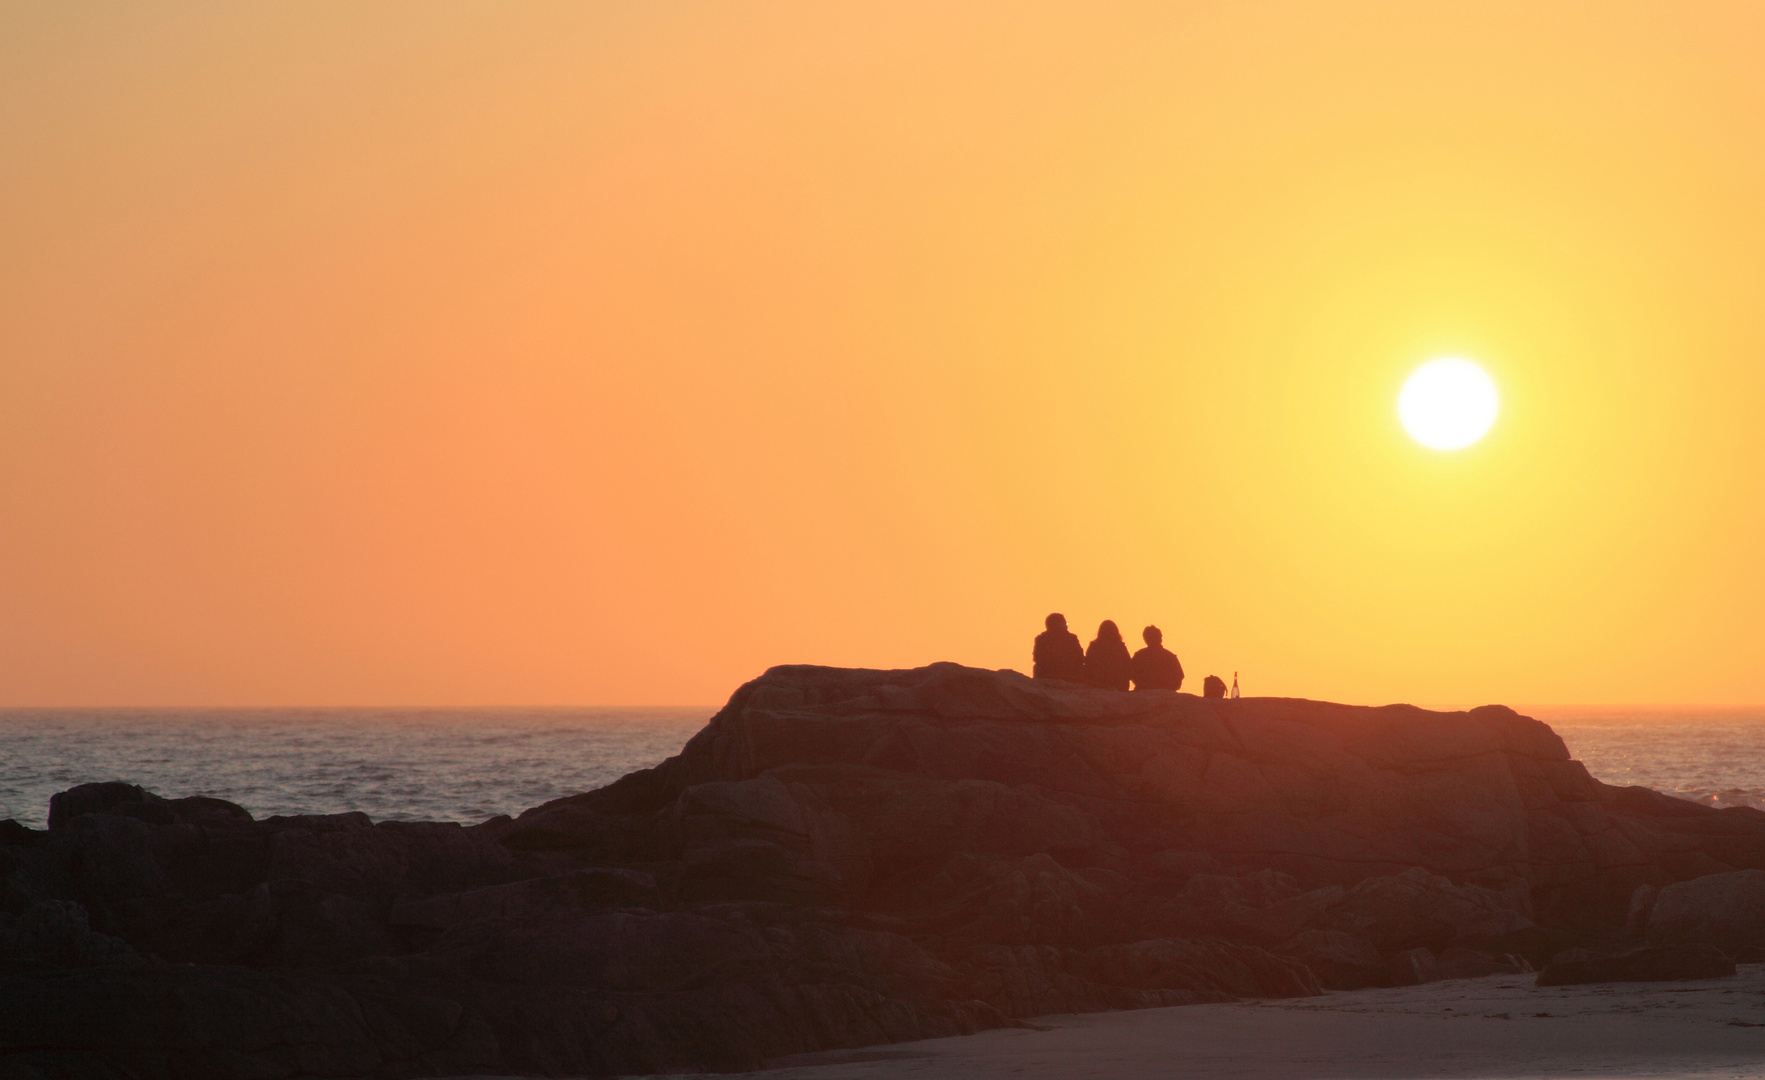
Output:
x=1234 y=686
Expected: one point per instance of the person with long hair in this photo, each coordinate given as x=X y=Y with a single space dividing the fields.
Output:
x=1106 y=662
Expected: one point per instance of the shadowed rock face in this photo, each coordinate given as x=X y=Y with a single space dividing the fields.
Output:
x=1725 y=910
x=1656 y=964
x=839 y=858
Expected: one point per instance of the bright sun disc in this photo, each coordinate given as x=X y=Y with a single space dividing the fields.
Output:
x=1447 y=404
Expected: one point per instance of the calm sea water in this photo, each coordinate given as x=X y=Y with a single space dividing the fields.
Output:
x=401 y=764
x=470 y=764
x=1712 y=756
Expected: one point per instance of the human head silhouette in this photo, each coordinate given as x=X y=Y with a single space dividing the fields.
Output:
x=1056 y=621
x=1108 y=632
x=1153 y=635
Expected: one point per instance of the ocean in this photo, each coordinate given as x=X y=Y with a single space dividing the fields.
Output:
x=467 y=765
x=462 y=765
x=1714 y=756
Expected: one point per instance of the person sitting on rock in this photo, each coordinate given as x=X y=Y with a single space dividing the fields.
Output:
x=1213 y=686
x=1058 y=654
x=1106 y=662
x=1156 y=667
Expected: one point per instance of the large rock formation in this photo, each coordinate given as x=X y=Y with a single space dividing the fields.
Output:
x=838 y=858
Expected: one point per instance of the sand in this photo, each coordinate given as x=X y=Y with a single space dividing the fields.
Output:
x=1500 y=1026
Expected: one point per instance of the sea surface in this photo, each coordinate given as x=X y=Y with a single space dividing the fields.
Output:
x=467 y=765
x=462 y=765
x=1710 y=756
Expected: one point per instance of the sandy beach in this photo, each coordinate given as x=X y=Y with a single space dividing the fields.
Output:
x=1500 y=1026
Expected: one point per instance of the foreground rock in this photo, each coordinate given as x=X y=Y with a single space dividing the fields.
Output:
x=839 y=858
x=1668 y=962
x=1725 y=910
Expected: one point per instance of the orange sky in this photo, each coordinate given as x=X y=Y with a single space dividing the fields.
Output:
x=484 y=353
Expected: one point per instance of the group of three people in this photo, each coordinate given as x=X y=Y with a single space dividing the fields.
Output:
x=1106 y=663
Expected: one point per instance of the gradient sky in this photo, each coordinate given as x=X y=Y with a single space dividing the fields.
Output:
x=444 y=353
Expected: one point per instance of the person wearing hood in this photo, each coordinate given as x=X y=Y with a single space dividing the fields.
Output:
x=1106 y=662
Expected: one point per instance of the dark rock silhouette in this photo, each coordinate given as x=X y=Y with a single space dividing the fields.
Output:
x=1057 y=653
x=839 y=858
x=1671 y=962
x=1107 y=664
x=1213 y=687
x=1412 y=967
x=1461 y=963
x=1156 y=667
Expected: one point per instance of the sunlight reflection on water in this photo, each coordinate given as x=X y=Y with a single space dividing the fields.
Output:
x=1711 y=756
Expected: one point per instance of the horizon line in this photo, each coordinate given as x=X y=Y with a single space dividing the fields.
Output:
x=1430 y=706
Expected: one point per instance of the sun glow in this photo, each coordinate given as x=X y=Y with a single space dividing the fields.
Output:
x=1448 y=404
x=497 y=345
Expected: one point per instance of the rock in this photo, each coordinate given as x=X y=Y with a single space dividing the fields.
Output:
x=129 y=800
x=350 y=855
x=1415 y=909
x=562 y=896
x=180 y=1021
x=1642 y=901
x=842 y=858
x=1281 y=920
x=1724 y=910
x=1412 y=967
x=287 y=922
x=1340 y=961
x=1534 y=946
x=1670 y=962
x=112 y=797
x=12 y=834
x=1462 y=963
x=55 y=933
x=107 y=861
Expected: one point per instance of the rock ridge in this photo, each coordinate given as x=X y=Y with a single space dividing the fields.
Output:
x=844 y=857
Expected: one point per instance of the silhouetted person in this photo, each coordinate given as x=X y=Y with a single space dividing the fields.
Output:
x=1213 y=686
x=1058 y=654
x=1155 y=667
x=1106 y=661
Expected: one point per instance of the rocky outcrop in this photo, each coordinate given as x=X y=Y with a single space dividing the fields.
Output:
x=839 y=858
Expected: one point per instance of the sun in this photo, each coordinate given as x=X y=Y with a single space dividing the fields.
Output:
x=1447 y=404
